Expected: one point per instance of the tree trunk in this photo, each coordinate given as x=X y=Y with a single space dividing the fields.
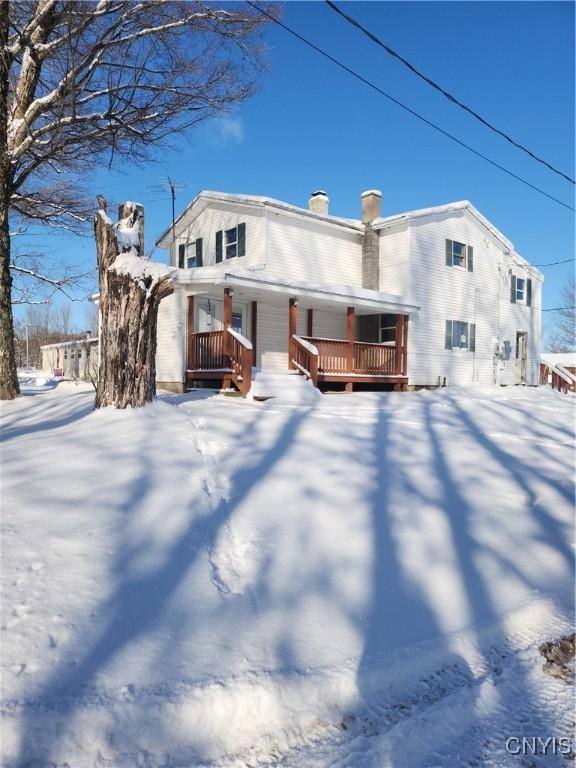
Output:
x=128 y=311
x=9 y=388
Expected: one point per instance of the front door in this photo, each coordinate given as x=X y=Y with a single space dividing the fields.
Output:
x=211 y=312
x=521 y=356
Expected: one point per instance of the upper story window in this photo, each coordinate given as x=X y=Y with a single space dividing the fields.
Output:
x=460 y=335
x=520 y=290
x=190 y=254
x=231 y=243
x=459 y=255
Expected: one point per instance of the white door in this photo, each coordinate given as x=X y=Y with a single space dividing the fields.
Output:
x=521 y=356
x=211 y=313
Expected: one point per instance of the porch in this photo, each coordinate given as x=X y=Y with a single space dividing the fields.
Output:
x=253 y=324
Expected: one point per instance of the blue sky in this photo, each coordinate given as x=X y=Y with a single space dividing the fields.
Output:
x=313 y=126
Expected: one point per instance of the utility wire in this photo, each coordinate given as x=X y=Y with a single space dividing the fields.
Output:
x=553 y=263
x=558 y=309
x=439 y=88
x=407 y=109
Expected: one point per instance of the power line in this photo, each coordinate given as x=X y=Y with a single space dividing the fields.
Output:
x=407 y=109
x=558 y=309
x=445 y=93
x=553 y=263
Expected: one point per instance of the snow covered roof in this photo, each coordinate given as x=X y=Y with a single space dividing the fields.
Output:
x=353 y=224
x=74 y=342
x=567 y=359
x=257 y=200
x=259 y=279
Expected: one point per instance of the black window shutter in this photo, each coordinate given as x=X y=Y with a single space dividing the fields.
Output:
x=219 y=246
x=528 y=293
x=241 y=239
x=448 y=335
x=513 y=289
x=470 y=259
x=449 y=255
x=472 y=337
x=198 y=251
x=181 y=252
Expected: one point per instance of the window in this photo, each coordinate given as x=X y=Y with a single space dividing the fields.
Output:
x=65 y=354
x=231 y=243
x=460 y=335
x=79 y=354
x=459 y=255
x=190 y=254
x=237 y=322
x=520 y=290
x=387 y=328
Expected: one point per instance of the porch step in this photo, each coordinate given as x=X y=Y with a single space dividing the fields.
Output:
x=285 y=387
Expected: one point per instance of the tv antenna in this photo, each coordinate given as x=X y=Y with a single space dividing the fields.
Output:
x=170 y=186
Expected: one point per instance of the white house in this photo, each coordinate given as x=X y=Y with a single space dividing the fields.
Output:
x=428 y=297
x=76 y=359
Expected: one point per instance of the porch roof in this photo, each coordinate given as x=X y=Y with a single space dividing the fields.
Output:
x=258 y=285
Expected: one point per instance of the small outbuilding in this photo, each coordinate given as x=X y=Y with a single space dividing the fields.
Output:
x=76 y=359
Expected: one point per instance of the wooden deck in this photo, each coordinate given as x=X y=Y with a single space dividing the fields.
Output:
x=350 y=362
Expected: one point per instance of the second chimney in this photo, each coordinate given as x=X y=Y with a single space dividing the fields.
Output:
x=371 y=200
x=318 y=202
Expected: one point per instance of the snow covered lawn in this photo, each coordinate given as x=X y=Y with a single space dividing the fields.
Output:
x=356 y=581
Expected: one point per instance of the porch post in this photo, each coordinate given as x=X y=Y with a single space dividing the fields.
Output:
x=310 y=323
x=227 y=323
x=254 y=324
x=399 y=344
x=404 y=370
x=292 y=325
x=190 y=332
x=350 y=323
x=350 y=327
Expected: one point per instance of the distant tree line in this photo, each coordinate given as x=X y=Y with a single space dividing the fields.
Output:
x=563 y=336
x=46 y=324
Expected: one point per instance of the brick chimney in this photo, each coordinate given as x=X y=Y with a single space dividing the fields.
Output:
x=318 y=202
x=371 y=201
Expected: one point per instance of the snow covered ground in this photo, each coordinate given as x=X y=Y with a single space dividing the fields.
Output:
x=354 y=581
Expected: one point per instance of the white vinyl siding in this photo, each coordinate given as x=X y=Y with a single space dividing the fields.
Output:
x=314 y=252
x=171 y=338
x=395 y=260
x=224 y=217
x=456 y=294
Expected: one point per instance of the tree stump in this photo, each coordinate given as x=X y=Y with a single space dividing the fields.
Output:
x=131 y=289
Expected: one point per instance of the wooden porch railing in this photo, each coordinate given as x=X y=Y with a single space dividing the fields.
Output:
x=304 y=356
x=221 y=352
x=558 y=376
x=339 y=356
x=207 y=352
x=241 y=360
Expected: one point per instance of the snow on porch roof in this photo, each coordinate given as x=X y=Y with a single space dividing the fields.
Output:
x=260 y=281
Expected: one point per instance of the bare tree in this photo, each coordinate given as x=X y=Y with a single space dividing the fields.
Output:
x=563 y=337
x=86 y=82
x=42 y=324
